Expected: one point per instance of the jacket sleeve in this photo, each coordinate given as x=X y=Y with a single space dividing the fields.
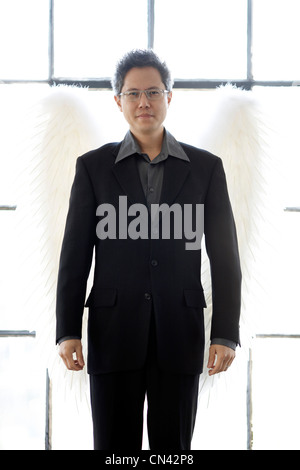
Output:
x=222 y=249
x=76 y=255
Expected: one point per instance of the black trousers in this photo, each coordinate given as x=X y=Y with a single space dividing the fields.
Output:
x=117 y=401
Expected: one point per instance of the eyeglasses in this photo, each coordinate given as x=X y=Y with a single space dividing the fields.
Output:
x=153 y=94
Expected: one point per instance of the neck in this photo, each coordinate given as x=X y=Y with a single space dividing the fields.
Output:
x=150 y=144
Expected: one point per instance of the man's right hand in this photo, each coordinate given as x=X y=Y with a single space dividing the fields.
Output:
x=71 y=353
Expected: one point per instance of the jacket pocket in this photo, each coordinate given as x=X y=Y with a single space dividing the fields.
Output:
x=101 y=297
x=194 y=298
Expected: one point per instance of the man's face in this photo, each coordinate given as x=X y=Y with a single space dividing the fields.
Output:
x=145 y=117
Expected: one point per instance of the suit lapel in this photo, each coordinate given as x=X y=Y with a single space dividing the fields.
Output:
x=175 y=174
x=127 y=174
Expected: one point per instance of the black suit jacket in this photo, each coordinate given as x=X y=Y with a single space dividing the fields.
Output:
x=134 y=278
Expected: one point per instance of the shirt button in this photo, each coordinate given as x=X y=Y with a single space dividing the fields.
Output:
x=154 y=262
x=151 y=190
x=147 y=296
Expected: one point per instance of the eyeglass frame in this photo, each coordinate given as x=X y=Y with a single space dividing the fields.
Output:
x=140 y=92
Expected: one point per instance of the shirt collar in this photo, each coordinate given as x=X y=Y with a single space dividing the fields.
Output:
x=170 y=146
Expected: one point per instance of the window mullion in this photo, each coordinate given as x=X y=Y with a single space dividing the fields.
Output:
x=249 y=41
x=51 y=42
x=151 y=6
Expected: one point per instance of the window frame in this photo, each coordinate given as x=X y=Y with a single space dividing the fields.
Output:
x=104 y=83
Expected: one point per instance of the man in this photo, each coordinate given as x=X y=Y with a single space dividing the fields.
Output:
x=146 y=329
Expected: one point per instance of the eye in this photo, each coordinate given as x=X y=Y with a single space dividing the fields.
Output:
x=153 y=93
x=132 y=94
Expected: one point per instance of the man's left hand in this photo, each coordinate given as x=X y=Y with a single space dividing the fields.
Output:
x=220 y=358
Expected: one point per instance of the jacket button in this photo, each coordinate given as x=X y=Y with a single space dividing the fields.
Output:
x=154 y=262
x=147 y=296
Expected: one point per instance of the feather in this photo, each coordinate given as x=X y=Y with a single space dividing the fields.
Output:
x=237 y=133
x=60 y=128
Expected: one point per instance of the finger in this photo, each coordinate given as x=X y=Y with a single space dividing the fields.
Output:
x=223 y=363
x=71 y=353
x=218 y=367
x=215 y=368
x=76 y=361
x=70 y=362
x=79 y=356
x=230 y=361
x=73 y=364
x=211 y=358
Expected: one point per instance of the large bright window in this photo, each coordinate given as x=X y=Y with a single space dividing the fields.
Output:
x=90 y=35
x=250 y=43
x=205 y=42
x=202 y=39
x=24 y=29
x=276 y=37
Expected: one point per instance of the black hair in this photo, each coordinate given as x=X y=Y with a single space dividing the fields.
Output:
x=140 y=58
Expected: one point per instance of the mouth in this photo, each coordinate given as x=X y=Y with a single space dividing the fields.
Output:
x=144 y=116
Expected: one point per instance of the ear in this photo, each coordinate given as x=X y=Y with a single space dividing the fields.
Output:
x=118 y=101
x=169 y=97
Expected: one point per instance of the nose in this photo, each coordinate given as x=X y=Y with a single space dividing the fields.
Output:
x=144 y=102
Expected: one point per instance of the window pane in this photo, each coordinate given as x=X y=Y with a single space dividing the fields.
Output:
x=24 y=27
x=203 y=39
x=276 y=37
x=22 y=395
x=91 y=35
x=275 y=394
